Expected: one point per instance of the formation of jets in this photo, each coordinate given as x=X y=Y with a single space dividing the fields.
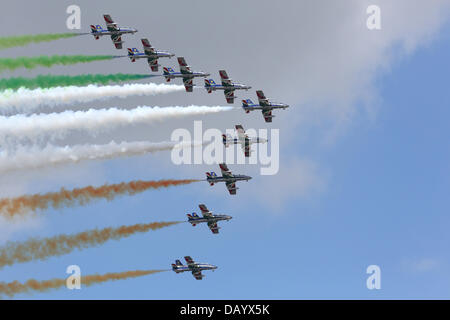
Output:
x=152 y=55
x=229 y=87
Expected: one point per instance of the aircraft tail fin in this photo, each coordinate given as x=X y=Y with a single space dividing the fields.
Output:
x=208 y=85
x=166 y=72
x=95 y=29
x=226 y=140
x=210 y=175
x=176 y=265
x=192 y=217
x=245 y=104
x=131 y=53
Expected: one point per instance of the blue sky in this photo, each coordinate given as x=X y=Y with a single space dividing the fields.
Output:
x=384 y=201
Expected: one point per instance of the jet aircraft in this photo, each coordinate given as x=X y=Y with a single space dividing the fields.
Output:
x=228 y=86
x=264 y=105
x=227 y=177
x=185 y=72
x=243 y=139
x=149 y=53
x=208 y=217
x=195 y=267
x=112 y=30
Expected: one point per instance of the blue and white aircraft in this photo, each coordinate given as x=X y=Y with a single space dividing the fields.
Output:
x=112 y=30
x=227 y=177
x=195 y=267
x=264 y=105
x=208 y=217
x=228 y=86
x=149 y=53
x=185 y=72
x=243 y=139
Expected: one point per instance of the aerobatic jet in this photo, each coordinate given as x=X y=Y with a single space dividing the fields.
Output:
x=195 y=267
x=243 y=139
x=227 y=177
x=208 y=217
x=185 y=72
x=112 y=30
x=228 y=86
x=149 y=53
x=264 y=105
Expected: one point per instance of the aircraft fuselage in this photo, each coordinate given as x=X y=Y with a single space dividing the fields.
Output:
x=236 y=177
x=213 y=218
x=234 y=86
x=115 y=32
x=194 y=267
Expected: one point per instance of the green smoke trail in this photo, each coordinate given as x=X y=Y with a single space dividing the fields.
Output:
x=47 y=61
x=18 y=41
x=49 y=81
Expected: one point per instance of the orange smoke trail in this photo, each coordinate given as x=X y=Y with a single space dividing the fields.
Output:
x=40 y=249
x=81 y=196
x=15 y=287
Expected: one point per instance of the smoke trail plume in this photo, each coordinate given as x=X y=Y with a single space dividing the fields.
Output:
x=28 y=101
x=36 y=157
x=18 y=41
x=43 y=248
x=51 y=81
x=57 y=125
x=9 y=207
x=12 y=288
x=47 y=61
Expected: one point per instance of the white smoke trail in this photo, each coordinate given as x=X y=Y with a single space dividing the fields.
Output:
x=29 y=100
x=92 y=121
x=36 y=157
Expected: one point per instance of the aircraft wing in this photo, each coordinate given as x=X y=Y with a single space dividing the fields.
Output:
x=117 y=40
x=205 y=212
x=188 y=83
x=240 y=131
x=213 y=226
x=263 y=101
x=246 y=148
x=148 y=49
x=229 y=95
x=189 y=260
x=226 y=81
x=110 y=24
x=231 y=186
x=184 y=68
x=267 y=115
x=197 y=275
x=226 y=173
x=153 y=63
